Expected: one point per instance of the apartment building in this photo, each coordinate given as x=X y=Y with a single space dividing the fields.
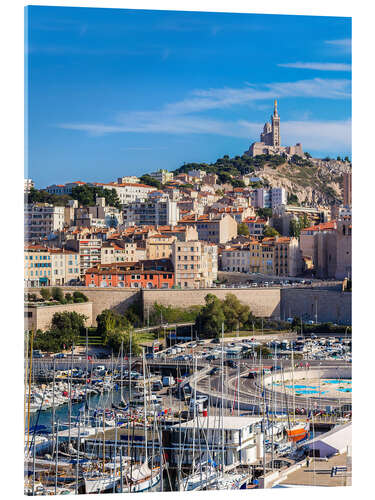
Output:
x=89 y=251
x=128 y=192
x=146 y=274
x=253 y=257
x=151 y=213
x=128 y=179
x=45 y=266
x=27 y=185
x=99 y=215
x=159 y=246
x=213 y=228
x=194 y=263
x=236 y=259
x=118 y=251
x=162 y=175
x=63 y=188
x=42 y=219
x=256 y=226
x=269 y=198
x=287 y=257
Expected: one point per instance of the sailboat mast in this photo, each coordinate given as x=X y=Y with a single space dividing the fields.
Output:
x=30 y=375
x=145 y=401
x=70 y=395
x=222 y=397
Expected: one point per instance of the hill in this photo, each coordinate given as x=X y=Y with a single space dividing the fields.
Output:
x=308 y=180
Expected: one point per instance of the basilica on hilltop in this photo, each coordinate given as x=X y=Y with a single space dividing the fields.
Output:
x=270 y=142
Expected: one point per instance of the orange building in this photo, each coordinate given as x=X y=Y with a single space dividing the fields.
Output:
x=134 y=276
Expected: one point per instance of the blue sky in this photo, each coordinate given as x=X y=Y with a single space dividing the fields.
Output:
x=115 y=92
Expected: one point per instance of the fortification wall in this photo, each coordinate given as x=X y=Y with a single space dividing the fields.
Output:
x=324 y=305
x=263 y=303
x=40 y=317
x=117 y=299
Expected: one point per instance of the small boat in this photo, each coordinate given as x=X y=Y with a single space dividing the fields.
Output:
x=298 y=432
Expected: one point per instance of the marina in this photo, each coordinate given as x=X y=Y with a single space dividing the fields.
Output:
x=168 y=424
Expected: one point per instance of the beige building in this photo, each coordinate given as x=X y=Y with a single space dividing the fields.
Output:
x=162 y=175
x=307 y=237
x=213 y=228
x=333 y=251
x=195 y=264
x=118 y=252
x=287 y=257
x=159 y=246
x=46 y=266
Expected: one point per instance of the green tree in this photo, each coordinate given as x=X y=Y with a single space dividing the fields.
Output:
x=79 y=297
x=211 y=317
x=270 y=232
x=308 y=155
x=339 y=158
x=242 y=229
x=150 y=181
x=45 y=293
x=236 y=314
x=57 y=294
x=65 y=330
x=293 y=200
x=265 y=213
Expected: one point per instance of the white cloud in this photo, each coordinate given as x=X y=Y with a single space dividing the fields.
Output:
x=318 y=66
x=182 y=117
x=342 y=46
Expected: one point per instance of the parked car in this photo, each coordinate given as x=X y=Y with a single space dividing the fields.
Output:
x=60 y=355
x=214 y=370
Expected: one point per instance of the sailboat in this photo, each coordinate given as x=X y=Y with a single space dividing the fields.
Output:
x=298 y=430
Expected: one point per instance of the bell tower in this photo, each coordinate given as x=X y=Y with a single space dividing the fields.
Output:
x=275 y=119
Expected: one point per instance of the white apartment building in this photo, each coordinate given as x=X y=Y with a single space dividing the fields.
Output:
x=128 y=192
x=159 y=212
x=63 y=188
x=197 y=174
x=41 y=219
x=89 y=251
x=194 y=263
x=269 y=198
x=27 y=185
x=128 y=179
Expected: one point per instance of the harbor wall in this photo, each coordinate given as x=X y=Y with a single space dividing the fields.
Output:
x=38 y=317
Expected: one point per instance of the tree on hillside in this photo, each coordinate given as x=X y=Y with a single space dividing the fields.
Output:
x=265 y=213
x=270 y=232
x=242 y=229
x=150 y=181
x=86 y=195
